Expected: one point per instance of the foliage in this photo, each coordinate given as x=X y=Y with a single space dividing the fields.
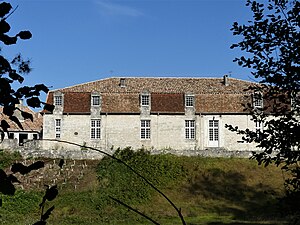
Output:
x=211 y=190
x=7 y=158
x=118 y=182
x=271 y=42
x=11 y=74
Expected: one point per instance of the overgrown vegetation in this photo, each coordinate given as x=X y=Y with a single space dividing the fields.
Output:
x=7 y=159
x=209 y=191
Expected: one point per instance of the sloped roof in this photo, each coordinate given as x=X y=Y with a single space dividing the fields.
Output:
x=28 y=125
x=162 y=85
x=167 y=95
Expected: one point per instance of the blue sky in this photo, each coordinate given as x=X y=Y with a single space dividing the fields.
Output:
x=76 y=41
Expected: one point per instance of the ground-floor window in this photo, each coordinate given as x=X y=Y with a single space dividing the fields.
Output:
x=95 y=129
x=57 y=128
x=213 y=130
x=190 y=129
x=145 y=129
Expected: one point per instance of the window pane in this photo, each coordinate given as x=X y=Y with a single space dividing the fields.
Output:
x=95 y=129
x=145 y=100
x=189 y=101
x=57 y=100
x=145 y=129
x=95 y=100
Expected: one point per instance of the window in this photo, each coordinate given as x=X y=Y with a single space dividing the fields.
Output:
x=145 y=99
x=57 y=100
x=190 y=129
x=57 y=128
x=257 y=100
x=258 y=125
x=95 y=100
x=189 y=101
x=122 y=82
x=145 y=129
x=213 y=130
x=95 y=129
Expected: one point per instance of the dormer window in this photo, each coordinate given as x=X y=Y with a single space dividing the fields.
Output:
x=122 y=82
x=145 y=100
x=96 y=100
x=257 y=100
x=189 y=101
x=57 y=100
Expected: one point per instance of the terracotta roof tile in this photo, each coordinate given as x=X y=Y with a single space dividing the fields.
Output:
x=167 y=94
x=116 y=103
x=167 y=103
x=28 y=125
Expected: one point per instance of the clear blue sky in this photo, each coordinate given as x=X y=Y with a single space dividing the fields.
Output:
x=76 y=41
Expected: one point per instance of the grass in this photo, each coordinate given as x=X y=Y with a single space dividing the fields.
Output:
x=210 y=191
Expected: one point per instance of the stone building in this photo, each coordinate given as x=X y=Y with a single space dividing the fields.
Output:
x=152 y=113
x=30 y=130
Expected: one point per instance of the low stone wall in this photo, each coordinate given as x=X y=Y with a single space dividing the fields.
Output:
x=94 y=155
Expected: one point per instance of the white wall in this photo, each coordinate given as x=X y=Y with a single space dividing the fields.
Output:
x=167 y=131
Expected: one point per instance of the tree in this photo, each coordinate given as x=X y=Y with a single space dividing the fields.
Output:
x=11 y=73
x=271 y=43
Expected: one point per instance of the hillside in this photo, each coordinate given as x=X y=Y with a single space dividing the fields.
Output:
x=208 y=190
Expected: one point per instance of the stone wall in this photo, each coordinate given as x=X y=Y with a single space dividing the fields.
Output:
x=167 y=131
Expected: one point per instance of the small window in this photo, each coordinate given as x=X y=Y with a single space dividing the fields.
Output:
x=190 y=129
x=145 y=129
x=11 y=135
x=95 y=100
x=57 y=100
x=259 y=125
x=122 y=82
x=145 y=100
x=257 y=100
x=95 y=129
x=189 y=101
x=57 y=128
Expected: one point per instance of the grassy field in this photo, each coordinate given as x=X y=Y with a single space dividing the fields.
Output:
x=210 y=191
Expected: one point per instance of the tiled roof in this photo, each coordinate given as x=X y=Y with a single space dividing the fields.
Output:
x=162 y=85
x=167 y=95
x=28 y=125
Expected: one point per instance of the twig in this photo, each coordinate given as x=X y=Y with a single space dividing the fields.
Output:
x=178 y=210
x=134 y=210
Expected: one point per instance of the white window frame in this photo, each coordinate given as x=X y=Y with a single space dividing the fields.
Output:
x=58 y=100
x=145 y=133
x=145 y=100
x=57 y=128
x=190 y=128
x=213 y=130
x=258 y=100
x=189 y=101
x=95 y=100
x=95 y=129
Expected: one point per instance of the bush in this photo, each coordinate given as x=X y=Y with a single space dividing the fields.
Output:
x=120 y=182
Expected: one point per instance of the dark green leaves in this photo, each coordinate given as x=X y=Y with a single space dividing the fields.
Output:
x=22 y=169
x=4 y=8
x=24 y=35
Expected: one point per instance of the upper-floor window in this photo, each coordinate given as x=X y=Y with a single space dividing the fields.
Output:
x=145 y=100
x=190 y=129
x=57 y=100
x=95 y=100
x=257 y=100
x=145 y=129
x=57 y=128
x=189 y=101
x=95 y=129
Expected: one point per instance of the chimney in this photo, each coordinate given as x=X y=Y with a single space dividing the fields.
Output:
x=225 y=80
x=122 y=82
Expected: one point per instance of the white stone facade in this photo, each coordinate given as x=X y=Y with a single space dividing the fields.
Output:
x=166 y=132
